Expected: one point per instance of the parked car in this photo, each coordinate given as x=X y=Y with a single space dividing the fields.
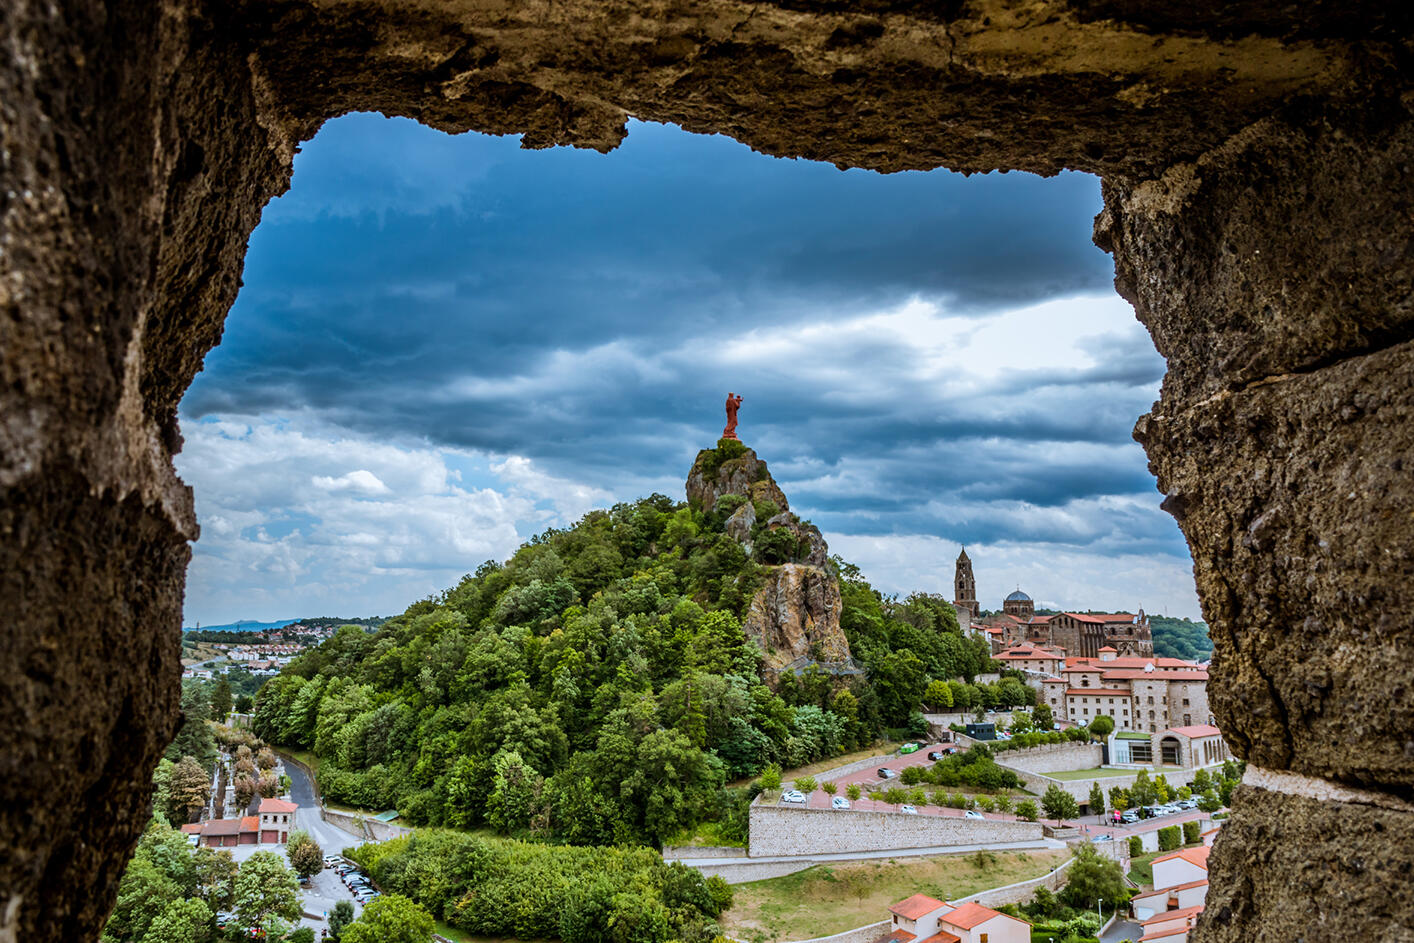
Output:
x=935 y=755
x=974 y=814
x=1100 y=838
x=886 y=773
x=908 y=748
x=1188 y=804
x=839 y=802
x=795 y=795
x=908 y=810
x=1129 y=817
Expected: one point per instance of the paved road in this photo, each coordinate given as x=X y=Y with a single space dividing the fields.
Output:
x=1122 y=930
x=1043 y=844
x=330 y=837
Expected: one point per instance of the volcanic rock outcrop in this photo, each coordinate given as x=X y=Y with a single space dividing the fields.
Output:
x=796 y=616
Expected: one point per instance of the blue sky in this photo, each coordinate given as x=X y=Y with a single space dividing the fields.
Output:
x=445 y=344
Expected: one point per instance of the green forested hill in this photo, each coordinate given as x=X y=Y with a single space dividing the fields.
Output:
x=598 y=687
x=1181 y=638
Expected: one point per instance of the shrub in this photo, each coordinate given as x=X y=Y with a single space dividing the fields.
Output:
x=830 y=788
x=805 y=784
x=1136 y=846
x=1190 y=833
x=1026 y=810
x=771 y=778
x=853 y=791
x=1169 y=838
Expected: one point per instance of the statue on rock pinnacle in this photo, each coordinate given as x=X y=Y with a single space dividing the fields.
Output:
x=733 y=404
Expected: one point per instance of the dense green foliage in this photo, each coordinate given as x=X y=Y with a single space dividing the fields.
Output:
x=975 y=768
x=499 y=887
x=390 y=919
x=598 y=688
x=170 y=893
x=1181 y=638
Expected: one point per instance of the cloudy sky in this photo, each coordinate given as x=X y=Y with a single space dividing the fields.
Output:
x=446 y=344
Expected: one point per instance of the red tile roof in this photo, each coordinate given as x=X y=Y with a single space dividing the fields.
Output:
x=275 y=806
x=943 y=936
x=1168 y=891
x=1107 y=692
x=1110 y=648
x=250 y=823
x=1163 y=933
x=1174 y=915
x=898 y=936
x=1197 y=730
x=1100 y=616
x=221 y=827
x=193 y=829
x=1198 y=856
x=969 y=915
x=916 y=906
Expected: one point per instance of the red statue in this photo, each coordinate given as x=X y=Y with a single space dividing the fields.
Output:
x=733 y=404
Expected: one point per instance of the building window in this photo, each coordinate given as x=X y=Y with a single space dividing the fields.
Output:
x=1084 y=700
x=1151 y=698
x=1185 y=702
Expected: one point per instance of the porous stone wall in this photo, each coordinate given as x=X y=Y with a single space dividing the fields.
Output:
x=363 y=826
x=1257 y=161
x=1022 y=891
x=790 y=831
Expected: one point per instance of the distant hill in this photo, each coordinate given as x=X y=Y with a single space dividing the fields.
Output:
x=244 y=625
x=1181 y=638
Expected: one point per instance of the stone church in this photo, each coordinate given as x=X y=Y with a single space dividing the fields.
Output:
x=1078 y=634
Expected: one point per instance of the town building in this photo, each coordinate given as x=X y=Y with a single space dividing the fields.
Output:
x=1188 y=747
x=1137 y=693
x=926 y=919
x=270 y=826
x=1168 y=910
x=964 y=586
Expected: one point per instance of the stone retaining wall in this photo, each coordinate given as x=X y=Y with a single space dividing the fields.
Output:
x=789 y=831
x=674 y=852
x=363 y=826
x=1022 y=891
x=1053 y=757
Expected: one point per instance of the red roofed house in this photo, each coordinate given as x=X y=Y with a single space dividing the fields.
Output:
x=275 y=818
x=929 y=920
x=1180 y=884
x=1171 y=926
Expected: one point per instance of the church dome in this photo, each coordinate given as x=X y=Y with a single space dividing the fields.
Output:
x=1018 y=596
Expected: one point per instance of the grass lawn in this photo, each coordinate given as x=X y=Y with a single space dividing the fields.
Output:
x=829 y=899
x=1141 y=867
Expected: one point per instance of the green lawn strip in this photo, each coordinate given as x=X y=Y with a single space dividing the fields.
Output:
x=1141 y=867
x=828 y=899
x=461 y=936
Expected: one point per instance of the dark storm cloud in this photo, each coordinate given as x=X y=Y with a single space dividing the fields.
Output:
x=581 y=310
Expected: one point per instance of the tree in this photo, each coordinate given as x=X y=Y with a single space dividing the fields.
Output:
x=1059 y=804
x=1026 y=810
x=265 y=888
x=265 y=759
x=245 y=704
x=340 y=917
x=1092 y=877
x=1119 y=798
x=1021 y=723
x=1102 y=726
x=193 y=736
x=853 y=791
x=245 y=789
x=1041 y=717
x=805 y=784
x=517 y=793
x=1142 y=792
x=305 y=855
x=215 y=874
x=190 y=788
x=1162 y=792
x=938 y=694
x=1202 y=782
x=162 y=790
x=221 y=700
x=1097 y=799
x=181 y=921
x=771 y=778
x=269 y=786
x=143 y=895
x=830 y=788
x=390 y=919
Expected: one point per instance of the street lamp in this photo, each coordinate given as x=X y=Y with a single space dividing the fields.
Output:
x=1099 y=909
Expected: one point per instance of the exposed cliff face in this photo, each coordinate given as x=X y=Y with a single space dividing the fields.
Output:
x=796 y=616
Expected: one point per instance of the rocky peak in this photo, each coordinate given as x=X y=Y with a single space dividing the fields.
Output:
x=795 y=617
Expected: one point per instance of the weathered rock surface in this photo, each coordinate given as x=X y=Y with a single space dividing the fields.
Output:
x=745 y=474
x=1256 y=159
x=796 y=618
x=807 y=535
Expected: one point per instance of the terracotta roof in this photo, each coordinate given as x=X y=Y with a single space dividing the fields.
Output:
x=250 y=823
x=1163 y=933
x=1198 y=730
x=1212 y=831
x=1168 y=891
x=1101 y=617
x=1174 y=915
x=916 y=906
x=221 y=827
x=1160 y=674
x=1198 y=856
x=193 y=829
x=1110 y=648
x=943 y=936
x=969 y=915
x=1107 y=692
x=269 y=806
x=898 y=936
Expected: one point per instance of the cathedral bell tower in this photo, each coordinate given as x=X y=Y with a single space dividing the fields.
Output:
x=964 y=586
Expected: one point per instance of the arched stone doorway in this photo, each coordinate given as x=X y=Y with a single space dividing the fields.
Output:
x=1257 y=164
